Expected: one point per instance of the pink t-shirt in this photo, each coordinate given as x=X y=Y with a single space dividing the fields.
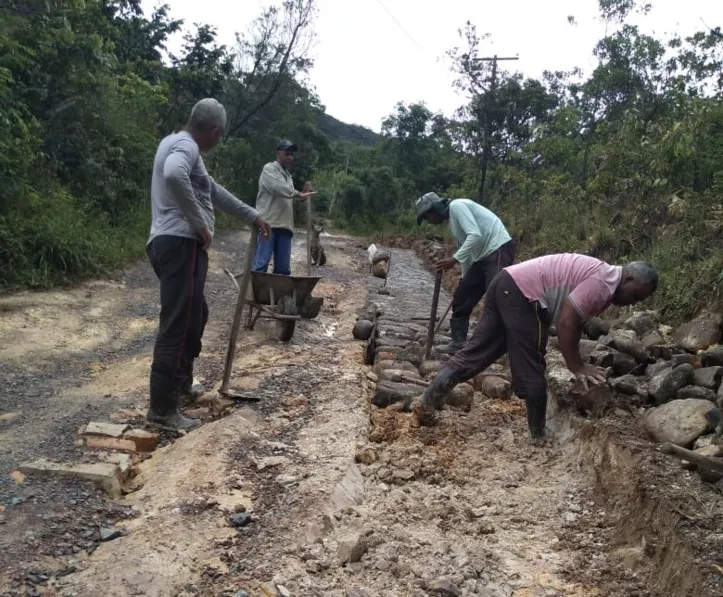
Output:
x=588 y=282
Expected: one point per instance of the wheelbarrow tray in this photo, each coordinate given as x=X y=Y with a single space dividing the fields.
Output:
x=262 y=285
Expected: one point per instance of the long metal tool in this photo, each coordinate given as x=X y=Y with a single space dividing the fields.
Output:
x=236 y=325
x=441 y=319
x=308 y=236
x=433 y=316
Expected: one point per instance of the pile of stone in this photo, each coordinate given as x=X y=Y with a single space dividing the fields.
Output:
x=395 y=349
x=673 y=378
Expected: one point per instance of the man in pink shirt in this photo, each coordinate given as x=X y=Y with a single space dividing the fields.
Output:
x=522 y=302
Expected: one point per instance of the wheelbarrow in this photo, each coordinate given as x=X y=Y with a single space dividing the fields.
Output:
x=285 y=299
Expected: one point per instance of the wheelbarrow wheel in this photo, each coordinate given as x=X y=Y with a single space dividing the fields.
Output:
x=285 y=327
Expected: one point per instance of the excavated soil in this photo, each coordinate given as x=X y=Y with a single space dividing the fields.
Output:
x=467 y=507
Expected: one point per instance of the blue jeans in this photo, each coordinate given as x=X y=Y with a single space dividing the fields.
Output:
x=278 y=246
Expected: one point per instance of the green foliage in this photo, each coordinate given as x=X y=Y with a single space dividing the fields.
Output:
x=626 y=163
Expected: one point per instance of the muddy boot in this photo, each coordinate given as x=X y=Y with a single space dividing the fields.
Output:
x=536 y=410
x=458 y=329
x=432 y=400
x=165 y=395
x=190 y=386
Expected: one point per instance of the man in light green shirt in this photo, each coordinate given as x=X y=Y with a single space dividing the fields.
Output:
x=484 y=249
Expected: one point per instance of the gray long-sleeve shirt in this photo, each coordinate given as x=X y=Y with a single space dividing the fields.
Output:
x=275 y=200
x=183 y=195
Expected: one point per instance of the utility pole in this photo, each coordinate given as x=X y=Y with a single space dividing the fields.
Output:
x=487 y=140
x=333 y=192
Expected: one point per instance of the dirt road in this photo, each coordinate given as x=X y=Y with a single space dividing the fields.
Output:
x=464 y=508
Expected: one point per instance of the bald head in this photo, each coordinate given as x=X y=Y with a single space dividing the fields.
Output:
x=207 y=122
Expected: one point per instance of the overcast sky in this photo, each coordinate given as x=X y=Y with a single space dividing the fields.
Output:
x=371 y=54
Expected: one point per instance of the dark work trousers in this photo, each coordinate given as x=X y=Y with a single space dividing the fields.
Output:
x=181 y=266
x=473 y=285
x=510 y=324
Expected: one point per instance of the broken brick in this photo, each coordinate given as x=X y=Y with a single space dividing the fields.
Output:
x=105 y=429
x=110 y=443
x=108 y=475
x=145 y=441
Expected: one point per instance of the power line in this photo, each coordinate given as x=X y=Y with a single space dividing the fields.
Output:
x=414 y=41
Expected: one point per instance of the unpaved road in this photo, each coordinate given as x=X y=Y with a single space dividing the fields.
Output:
x=464 y=508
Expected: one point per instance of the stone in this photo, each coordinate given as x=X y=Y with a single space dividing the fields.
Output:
x=696 y=392
x=397 y=365
x=398 y=375
x=665 y=384
x=389 y=392
x=356 y=592
x=587 y=348
x=283 y=590
x=428 y=368
x=107 y=474
x=711 y=451
x=708 y=377
x=679 y=422
x=124 y=462
x=107 y=534
x=105 y=429
x=9 y=417
x=493 y=386
x=652 y=338
x=682 y=359
x=700 y=333
x=380 y=269
x=240 y=594
x=654 y=368
x=461 y=396
x=444 y=587
x=351 y=549
x=269 y=590
x=371 y=376
x=627 y=384
x=17 y=477
x=712 y=357
x=631 y=346
x=240 y=519
x=362 y=329
x=662 y=351
x=109 y=443
x=641 y=324
x=596 y=327
x=403 y=475
x=271 y=461
x=349 y=491
x=703 y=441
x=623 y=363
x=145 y=441
x=367 y=455
x=720 y=397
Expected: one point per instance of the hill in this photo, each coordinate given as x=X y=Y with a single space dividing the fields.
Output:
x=337 y=130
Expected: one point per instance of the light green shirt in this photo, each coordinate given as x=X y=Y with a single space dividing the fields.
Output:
x=477 y=231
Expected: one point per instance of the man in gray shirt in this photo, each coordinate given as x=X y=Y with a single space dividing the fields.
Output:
x=183 y=199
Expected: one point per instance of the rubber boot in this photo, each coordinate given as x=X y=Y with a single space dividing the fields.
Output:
x=163 y=411
x=458 y=329
x=433 y=398
x=190 y=387
x=536 y=411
